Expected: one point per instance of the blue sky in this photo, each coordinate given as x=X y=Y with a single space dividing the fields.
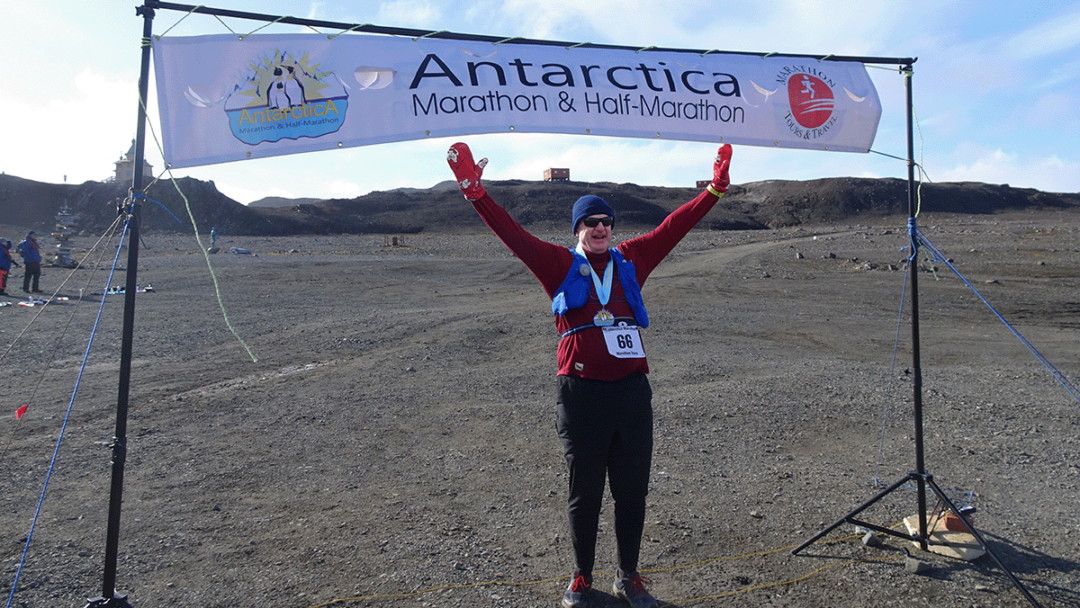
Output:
x=996 y=90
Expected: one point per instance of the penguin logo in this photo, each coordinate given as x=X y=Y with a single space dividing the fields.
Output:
x=285 y=91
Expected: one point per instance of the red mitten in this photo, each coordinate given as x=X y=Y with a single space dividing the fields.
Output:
x=720 y=179
x=466 y=171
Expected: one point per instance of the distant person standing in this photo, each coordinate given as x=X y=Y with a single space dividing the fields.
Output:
x=31 y=255
x=5 y=264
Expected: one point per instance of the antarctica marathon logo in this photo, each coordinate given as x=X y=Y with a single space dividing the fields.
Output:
x=286 y=98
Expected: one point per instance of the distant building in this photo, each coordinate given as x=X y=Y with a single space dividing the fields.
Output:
x=702 y=183
x=556 y=175
x=125 y=167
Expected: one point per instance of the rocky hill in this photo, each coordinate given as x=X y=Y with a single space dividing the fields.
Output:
x=278 y=201
x=537 y=205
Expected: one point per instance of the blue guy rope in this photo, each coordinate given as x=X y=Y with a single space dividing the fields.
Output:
x=145 y=198
x=965 y=496
x=1057 y=374
x=63 y=427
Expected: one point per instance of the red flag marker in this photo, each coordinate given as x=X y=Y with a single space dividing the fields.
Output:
x=19 y=412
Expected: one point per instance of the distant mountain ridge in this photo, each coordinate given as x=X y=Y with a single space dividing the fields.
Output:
x=537 y=205
x=277 y=201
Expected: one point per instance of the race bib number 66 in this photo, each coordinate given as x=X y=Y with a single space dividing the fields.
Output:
x=624 y=342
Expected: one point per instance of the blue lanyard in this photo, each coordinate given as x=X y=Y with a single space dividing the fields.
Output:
x=603 y=289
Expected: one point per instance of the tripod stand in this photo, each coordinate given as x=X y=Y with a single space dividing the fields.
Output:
x=920 y=476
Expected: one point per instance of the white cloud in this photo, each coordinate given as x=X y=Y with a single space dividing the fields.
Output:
x=409 y=13
x=1057 y=34
x=615 y=160
x=1053 y=111
x=315 y=10
x=1000 y=75
x=247 y=195
x=990 y=166
x=1052 y=174
x=343 y=188
x=96 y=120
x=996 y=166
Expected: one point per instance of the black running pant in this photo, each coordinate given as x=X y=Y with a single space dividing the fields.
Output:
x=31 y=273
x=606 y=430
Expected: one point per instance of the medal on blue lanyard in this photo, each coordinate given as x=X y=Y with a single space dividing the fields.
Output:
x=604 y=317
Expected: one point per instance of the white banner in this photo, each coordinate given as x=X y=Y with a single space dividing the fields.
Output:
x=223 y=99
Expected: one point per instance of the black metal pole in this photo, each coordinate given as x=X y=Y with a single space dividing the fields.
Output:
x=920 y=461
x=920 y=476
x=109 y=596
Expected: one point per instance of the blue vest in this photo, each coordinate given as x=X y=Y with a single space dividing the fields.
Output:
x=574 y=291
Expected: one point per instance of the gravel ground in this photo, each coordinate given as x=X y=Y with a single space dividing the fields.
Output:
x=394 y=446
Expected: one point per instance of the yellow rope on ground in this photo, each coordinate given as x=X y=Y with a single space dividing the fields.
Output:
x=789 y=582
x=360 y=598
x=433 y=589
x=734 y=557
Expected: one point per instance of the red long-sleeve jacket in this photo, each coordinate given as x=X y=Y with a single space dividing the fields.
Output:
x=585 y=353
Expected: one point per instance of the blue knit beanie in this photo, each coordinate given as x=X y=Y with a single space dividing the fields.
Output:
x=589 y=205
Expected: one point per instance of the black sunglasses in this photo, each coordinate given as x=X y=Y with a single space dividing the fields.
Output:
x=591 y=222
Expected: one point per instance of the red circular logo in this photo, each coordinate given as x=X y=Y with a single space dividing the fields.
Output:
x=811 y=100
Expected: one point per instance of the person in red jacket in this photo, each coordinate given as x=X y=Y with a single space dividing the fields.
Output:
x=605 y=417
